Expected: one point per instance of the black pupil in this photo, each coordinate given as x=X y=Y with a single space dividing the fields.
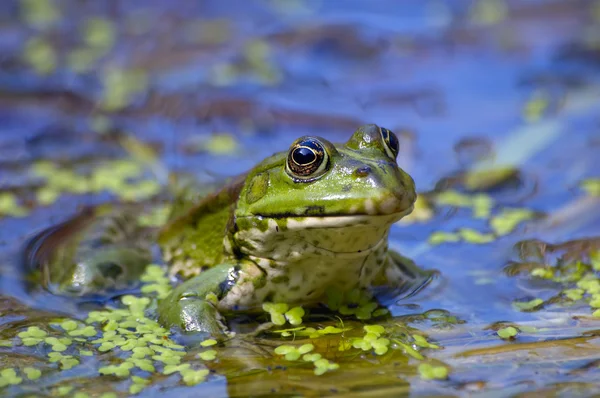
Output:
x=392 y=140
x=303 y=156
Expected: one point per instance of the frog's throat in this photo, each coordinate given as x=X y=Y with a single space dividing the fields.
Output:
x=292 y=238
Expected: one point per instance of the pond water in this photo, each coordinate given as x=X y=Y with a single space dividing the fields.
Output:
x=496 y=105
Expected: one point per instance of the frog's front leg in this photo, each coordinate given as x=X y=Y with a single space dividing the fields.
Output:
x=404 y=277
x=192 y=307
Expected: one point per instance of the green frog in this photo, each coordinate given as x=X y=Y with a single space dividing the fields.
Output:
x=303 y=222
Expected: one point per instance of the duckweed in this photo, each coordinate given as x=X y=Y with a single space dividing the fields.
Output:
x=32 y=336
x=40 y=55
x=545 y=273
x=138 y=384
x=528 y=305
x=439 y=237
x=294 y=316
x=9 y=205
x=276 y=311
x=69 y=325
x=39 y=13
x=507 y=332
x=431 y=372
x=324 y=365
x=122 y=370
x=9 y=376
x=66 y=361
x=481 y=204
x=122 y=178
x=169 y=369
x=292 y=353
x=577 y=276
x=192 y=377
x=120 y=88
x=591 y=186
x=61 y=391
x=508 y=219
x=310 y=332
x=32 y=373
x=208 y=355
x=99 y=33
x=221 y=144
x=595 y=260
x=156 y=281
x=573 y=294
x=535 y=107
x=473 y=236
x=311 y=357
x=372 y=340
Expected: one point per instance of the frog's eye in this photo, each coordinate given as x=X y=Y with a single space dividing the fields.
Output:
x=392 y=147
x=307 y=159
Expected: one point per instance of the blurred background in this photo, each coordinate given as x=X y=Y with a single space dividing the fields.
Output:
x=496 y=104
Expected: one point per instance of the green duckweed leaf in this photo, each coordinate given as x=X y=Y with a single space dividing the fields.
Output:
x=507 y=332
x=439 y=237
x=32 y=373
x=294 y=316
x=208 y=355
x=193 y=377
x=528 y=305
x=430 y=372
x=473 y=236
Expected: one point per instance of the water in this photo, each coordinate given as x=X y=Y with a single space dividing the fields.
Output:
x=519 y=79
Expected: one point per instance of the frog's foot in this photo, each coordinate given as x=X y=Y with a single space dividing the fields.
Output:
x=254 y=345
x=191 y=306
x=89 y=254
x=192 y=314
x=404 y=277
x=261 y=328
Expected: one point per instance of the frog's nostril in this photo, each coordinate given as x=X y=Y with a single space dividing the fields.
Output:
x=362 y=171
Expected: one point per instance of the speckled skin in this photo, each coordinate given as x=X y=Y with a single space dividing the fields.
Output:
x=289 y=239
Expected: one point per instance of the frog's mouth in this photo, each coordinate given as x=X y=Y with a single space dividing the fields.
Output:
x=296 y=222
x=343 y=221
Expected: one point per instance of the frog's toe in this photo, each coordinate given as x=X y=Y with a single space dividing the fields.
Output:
x=192 y=314
x=404 y=278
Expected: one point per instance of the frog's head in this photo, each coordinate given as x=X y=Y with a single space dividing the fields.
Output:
x=317 y=189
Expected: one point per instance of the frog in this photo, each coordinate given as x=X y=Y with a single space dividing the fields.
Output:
x=303 y=222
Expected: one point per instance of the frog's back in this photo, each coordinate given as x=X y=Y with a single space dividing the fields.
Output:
x=194 y=240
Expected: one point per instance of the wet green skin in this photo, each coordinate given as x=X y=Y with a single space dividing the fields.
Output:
x=271 y=236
